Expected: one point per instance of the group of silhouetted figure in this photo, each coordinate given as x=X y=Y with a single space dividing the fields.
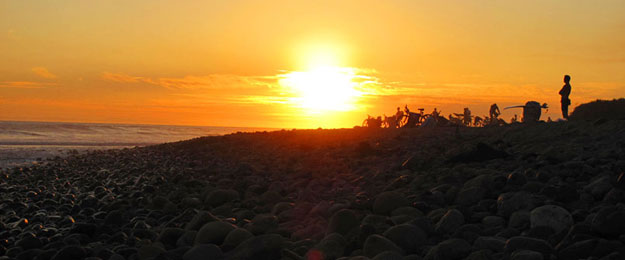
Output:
x=407 y=119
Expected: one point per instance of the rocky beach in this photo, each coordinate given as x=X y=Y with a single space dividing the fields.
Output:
x=522 y=191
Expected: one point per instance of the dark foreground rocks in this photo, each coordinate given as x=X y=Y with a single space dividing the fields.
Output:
x=542 y=191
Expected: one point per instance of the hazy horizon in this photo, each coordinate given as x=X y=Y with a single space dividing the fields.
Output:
x=240 y=63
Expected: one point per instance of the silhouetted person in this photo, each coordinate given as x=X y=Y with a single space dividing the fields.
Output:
x=494 y=112
x=399 y=115
x=565 y=92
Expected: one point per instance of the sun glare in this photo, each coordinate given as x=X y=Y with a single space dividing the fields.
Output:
x=325 y=88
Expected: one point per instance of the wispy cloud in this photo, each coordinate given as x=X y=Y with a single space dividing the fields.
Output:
x=214 y=81
x=43 y=72
x=25 y=84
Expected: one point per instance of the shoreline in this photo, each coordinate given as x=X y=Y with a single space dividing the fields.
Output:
x=429 y=193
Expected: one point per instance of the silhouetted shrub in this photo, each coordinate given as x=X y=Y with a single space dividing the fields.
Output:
x=600 y=109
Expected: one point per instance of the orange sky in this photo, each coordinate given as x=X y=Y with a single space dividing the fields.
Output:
x=221 y=63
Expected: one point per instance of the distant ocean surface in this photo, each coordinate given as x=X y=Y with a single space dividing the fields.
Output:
x=23 y=143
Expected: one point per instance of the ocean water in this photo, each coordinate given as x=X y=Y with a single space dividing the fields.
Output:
x=24 y=143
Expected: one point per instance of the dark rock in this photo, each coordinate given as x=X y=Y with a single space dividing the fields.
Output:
x=221 y=196
x=467 y=232
x=259 y=247
x=519 y=220
x=480 y=153
x=526 y=255
x=28 y=254
x=203 y=251
x=527 y=243
x=331 y=247
x=407 y=211
x=516 y=179
x=236 y=237
x=578 y=250
x=470 y=196
x=620 y=181
x=599 y=187
x=388 y=201
x=213 y=233
x=263 y=223
x=508 y=203
x=29 y=242
x=388 y=255
x=199 y=220
x=552 y=216
x=342 y=222
x=406 y=236
x=449 y=249
x=493 y=221
x=149 y=251
x=481 y=255
x=376 y=244
x=84 y=228
x=609 y=221
x=169 y=236
x=70 y=252
x=494 y=244
x=186 y=239
x=115 y=218
x=452 y=220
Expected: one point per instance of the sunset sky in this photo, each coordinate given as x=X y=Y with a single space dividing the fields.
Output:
x=300 y=64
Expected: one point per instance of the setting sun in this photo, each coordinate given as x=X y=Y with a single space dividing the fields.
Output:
x=323 y=88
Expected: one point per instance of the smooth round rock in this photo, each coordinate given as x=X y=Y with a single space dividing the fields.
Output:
x=213 y=233
x=552 y=216
x=259 y=247
x=203 y=251
x=199 y=220
x=149 y=252
x=388 y=255
x=452 y=220
x=388 y=201
x=406 y=236
x=527 y=243
x=376 y=244
x=526 y=255
x=342 y=222
x=609 y=221
x=495 y=244
x=70 y=252
x=449 y=249
x=219 y=197
x=236 y=237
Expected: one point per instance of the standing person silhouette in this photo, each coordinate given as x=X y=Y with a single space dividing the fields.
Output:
x=565 y=92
